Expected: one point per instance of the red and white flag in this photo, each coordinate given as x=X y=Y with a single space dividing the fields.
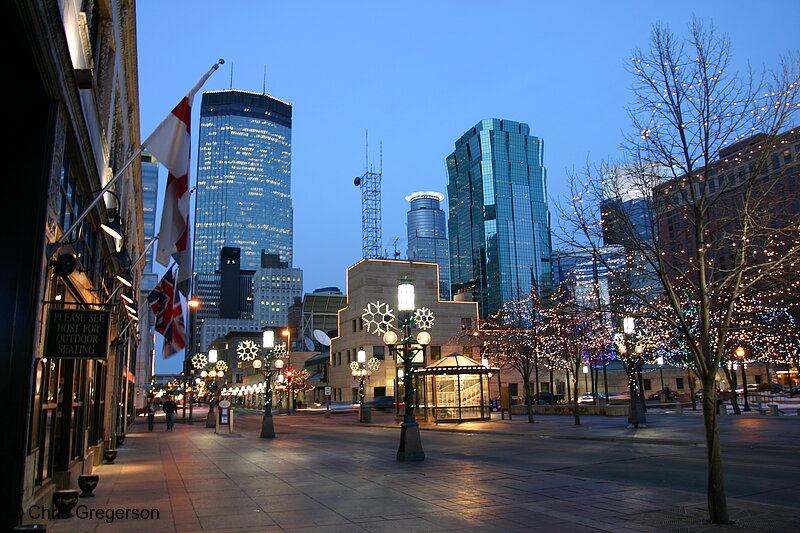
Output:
x=170 y=143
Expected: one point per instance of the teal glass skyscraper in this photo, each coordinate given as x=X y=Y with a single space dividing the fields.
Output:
x=499 y=223
x=243 y=179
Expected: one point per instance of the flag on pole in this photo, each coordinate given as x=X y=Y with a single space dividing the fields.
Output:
x=165 y=302
x=171 y=144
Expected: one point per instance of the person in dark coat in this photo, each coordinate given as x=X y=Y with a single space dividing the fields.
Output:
x=170 y=408
x=150 y=411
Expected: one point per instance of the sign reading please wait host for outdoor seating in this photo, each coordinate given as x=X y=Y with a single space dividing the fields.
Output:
x=77 y=334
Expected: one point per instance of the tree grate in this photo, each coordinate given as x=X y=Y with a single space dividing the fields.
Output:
x=695 y=520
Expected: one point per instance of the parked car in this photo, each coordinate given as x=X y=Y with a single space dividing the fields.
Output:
x=381 y=403
x=618 y=397
x=548 y=398
x=770 y=387
x=751 y=388
x=589 y=397
x=670 y=394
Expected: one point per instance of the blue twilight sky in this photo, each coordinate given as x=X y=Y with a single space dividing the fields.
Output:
x=416 y=75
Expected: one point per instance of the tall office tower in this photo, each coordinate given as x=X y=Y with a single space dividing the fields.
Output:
x=275 y=287
x=626 y=207
x=499 y=223
x=243 y=179
x=145 y=361
x=149 y=197
x=233 y=299
x=427 y=235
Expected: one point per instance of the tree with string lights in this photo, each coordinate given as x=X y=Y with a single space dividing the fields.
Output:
x=571 y=330
x=514 y=335
x=719 y=225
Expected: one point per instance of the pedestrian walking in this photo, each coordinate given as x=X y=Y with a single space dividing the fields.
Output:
x=150 y=411
x=170 y=408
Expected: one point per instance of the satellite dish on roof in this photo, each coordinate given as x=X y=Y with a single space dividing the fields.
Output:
x=309 y=344
x=322 y=337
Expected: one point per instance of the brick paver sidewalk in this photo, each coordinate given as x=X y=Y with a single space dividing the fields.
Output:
x=196 y=480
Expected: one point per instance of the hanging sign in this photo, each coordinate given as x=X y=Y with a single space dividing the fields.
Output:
x=77 y=334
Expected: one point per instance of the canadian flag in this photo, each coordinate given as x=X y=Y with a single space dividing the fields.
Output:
x=170 y=143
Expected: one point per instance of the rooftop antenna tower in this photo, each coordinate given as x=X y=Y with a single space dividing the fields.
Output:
x=370 y=184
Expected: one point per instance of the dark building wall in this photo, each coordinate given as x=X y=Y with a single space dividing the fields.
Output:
x=229 y=273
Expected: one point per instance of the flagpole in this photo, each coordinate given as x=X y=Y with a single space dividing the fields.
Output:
x=144 y=253
x=53 y=247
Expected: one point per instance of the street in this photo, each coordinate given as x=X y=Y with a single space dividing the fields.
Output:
x=332 y=474
x=750 y=475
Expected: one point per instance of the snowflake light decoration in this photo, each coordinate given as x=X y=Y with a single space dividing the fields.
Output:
x=424 y=318
x=199 y=360
x=279 y=350
x=373 y=364
x=222 y=365
x=378 y=317
x=353 y=365
x=247 y=350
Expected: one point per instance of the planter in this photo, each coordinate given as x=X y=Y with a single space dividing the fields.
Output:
x=109 y=456
x=65 y=501
x=87 y=483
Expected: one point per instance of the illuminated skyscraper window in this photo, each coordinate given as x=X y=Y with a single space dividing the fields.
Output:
x=499 y=223
x=243 y=179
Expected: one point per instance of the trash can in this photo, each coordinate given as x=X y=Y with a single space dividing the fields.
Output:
x=773 y=410
x=721 y=408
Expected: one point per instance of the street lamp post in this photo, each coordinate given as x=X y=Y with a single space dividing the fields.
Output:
x=585 y=371
x=361 y=369
x=740 y=353
x=660 y=362
x=212 y=360
x=410 y=448
x=636 y=417
x=193 y=303
x=289 y=394
x=267 y=344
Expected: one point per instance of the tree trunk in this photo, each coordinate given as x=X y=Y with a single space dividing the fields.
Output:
x=691 y=389
x=528 y=402
x=717 y=503
x=732 y=380
x=575 y=398
x=640 y=398
x=632 y=419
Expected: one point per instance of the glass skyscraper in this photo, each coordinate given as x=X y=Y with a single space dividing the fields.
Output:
x=427 y=235
x=243 y=179
x=499 y=223
x=149 y=195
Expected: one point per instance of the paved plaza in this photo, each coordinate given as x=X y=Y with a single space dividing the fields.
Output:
x=334 y=475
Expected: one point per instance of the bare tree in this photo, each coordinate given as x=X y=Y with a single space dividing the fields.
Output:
x=706 y=226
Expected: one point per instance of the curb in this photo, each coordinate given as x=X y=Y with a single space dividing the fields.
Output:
x=601 y=438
